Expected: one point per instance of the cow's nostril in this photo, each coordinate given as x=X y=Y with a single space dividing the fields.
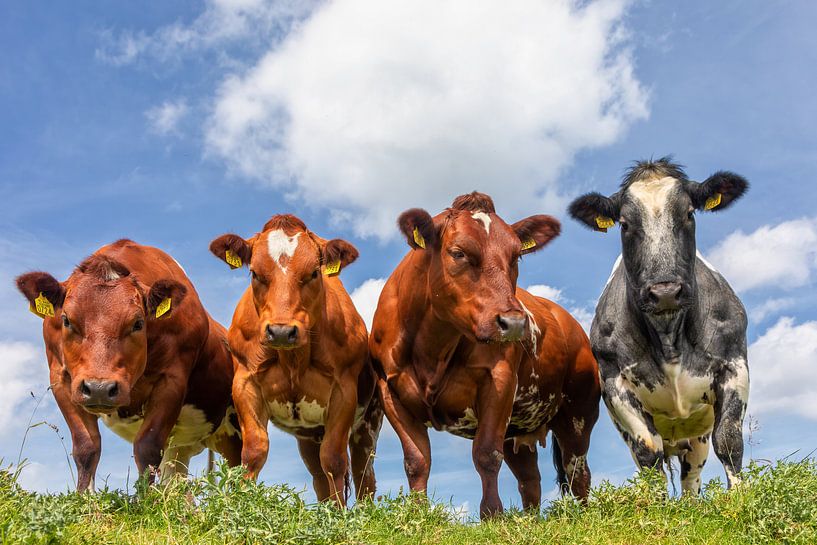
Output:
x=84 y=389
x=503 y=323
x=293 y=334
x=113 y=390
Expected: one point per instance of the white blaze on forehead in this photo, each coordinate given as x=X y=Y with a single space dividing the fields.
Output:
x=653 y=194
x=280 y=245
x=479 y=215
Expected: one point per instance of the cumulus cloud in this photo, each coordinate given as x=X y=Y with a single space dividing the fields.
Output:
x=770 y=307
x=548 y=292
x=365 y=298
x=165 y=118
x=222 y=23
x=369 y=107
x=582 y=314
x=782 y=363
x=782 y=256
x=22 y=372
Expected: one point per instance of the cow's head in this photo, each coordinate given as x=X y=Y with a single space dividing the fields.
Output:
x=655 y=209
x=473 y=260
x=288 y=264
x=103 y=313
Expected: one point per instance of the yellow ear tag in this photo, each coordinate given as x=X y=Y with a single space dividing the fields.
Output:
x=418 y=239
x=528 y=243
x=332 y=269
x=163 y=307
x=604 y=222
x=713 y=201
x=232 y=260
x=42 y=306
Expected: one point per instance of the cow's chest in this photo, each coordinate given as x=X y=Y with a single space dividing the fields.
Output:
x=191 y=428
x=298 y=416
x=681 y=403
x=297 y=406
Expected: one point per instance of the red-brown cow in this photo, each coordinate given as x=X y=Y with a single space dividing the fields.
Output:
x=301 y=357
x=462 y=349
x=129 y=342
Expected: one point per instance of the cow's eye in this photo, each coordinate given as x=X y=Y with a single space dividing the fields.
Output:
x=457 y=254
x=624 y=225
x=254 y=276
x=66 y=323
x=314 y=274
x=691 y=215
x=138 y=325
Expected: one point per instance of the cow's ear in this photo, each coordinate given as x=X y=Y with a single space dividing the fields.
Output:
x=717 y=192
x=336 y=254
x=44 y=293
x=596 y=211
x=232 y=249
x=164 y=296
x=536 y=231
x=418 y=227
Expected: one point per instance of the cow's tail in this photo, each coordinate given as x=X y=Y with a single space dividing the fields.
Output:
x=561 y=475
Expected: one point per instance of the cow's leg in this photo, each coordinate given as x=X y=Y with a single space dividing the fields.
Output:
x=226 y=440
x=494 y=406
x=253 y=420
x=730 y=408
x=635 y=425
x=413 y=437
x=523 y=463
x=176 y=462
x=340 y=415
x=85 y=438
x=692 y=463
x=362 y=445
x=311 y=454
x=161 y=413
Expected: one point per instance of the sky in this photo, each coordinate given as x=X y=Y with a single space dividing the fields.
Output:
x=173 y=122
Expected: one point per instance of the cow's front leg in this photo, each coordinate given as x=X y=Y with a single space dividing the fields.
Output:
x=635 y=424
x=692 y=464
x=161 y=414
x=730 y=408
x=335 y=445
x=412 y=433
x=85 y=438
x=252 y=419
x=494 y=406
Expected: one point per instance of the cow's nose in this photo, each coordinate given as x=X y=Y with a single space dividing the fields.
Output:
x=665 y=295
x=511 y=325
x=99 y=393
x=282 y=334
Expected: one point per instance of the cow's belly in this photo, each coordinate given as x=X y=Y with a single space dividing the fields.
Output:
x=302 y=418
x=697 y=423
x=191 y=428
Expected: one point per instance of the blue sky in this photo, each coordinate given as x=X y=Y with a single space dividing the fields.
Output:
x=174 y=122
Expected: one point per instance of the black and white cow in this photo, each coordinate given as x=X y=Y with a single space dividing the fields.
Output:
x=669 y=333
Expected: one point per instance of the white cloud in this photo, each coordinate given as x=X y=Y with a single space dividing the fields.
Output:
x=223 y=22
x=782 y=364
x=370 y=107
x=783 y=256
x=548 y=292
x=582 y=314
x=23 y=371
x=365 y=298
x=165 y=118
x=770 y=307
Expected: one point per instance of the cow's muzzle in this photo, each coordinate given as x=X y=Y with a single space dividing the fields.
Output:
x=282 y=336
x=99 y=396
x=511 y=326
x=665 y=296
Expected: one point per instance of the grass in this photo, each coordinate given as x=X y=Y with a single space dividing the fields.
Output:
x=775 y=504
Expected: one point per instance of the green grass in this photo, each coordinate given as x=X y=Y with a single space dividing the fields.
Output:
x=775 y=504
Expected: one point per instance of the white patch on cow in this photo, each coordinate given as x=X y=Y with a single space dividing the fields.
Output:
x=281 y=245
x=578 y=425
x=225 y=429
x=653 y=196
x=739 y=381
x=654 y=193
x=479 y=215
x=191 y=428
x=533 y=328
x=126 y=428
x=705 y=262
x=628 y=418
x=465 y=426
x=575 y=466
x=303 y=414
x=616 y=265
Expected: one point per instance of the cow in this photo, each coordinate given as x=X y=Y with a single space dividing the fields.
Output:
x=301 y=356
x=459 y=348
x=669 y=333
x=128 y=342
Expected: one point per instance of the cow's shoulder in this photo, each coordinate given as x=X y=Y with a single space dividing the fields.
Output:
x=722 y=330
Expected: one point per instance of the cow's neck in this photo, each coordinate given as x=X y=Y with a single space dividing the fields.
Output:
x=667 y=335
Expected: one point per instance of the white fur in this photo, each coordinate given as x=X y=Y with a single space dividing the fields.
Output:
x=303 y=414
x=658 y=225
x=616 y=265
x=479 y=215
x=281 y=245
x=533 y=328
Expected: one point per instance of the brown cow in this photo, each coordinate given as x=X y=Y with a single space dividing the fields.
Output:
x=129 y=342
x=463 y=350
x=301 y=356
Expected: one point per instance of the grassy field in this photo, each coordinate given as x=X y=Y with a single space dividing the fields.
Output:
x=775 y=504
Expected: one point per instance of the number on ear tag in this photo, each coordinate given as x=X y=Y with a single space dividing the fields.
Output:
x=232 y=260
x=332 y=269
x=604 y=222
x=418 y=239
x=528 y=243
x=713 y=202
x=42 y=307
x=163 y=307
